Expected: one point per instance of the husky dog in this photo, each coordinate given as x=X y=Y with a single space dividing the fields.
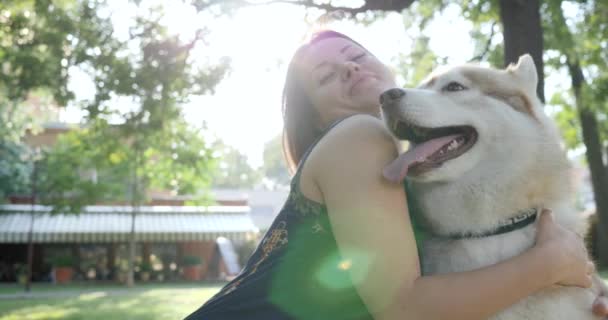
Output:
x=483 y=159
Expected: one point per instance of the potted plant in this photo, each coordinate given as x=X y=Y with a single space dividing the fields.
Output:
x=63 y=265
x=192 y=267
x=122 y=271
x=145 y=269
x=21 y=273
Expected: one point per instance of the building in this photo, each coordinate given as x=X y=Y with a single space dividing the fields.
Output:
x=97 y=239
x=166 y=231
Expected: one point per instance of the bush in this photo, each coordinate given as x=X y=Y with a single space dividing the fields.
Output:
x=20 y=269
x=189 y=261
x=63 y=261
x=145 y=267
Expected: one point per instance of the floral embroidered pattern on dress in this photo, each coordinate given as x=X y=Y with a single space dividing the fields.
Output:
x=275 y=239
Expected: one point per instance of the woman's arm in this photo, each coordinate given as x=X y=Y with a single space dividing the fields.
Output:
x=373 y=231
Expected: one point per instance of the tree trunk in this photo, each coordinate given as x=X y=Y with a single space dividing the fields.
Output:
x=522 y=33
x=30 y=250
x=75 y=248
x=599 y=178
x=134 y=209
x=30 y=234
x=111 y=256
x=146 y=252
x=131 y=273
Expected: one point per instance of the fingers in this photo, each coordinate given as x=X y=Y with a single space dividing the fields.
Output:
x=600 y=306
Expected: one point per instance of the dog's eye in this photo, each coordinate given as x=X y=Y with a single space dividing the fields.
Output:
x=454 y=86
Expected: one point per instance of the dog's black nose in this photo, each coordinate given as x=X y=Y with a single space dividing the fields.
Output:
x=391 y=95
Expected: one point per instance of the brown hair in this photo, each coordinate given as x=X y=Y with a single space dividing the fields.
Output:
x=300 y=118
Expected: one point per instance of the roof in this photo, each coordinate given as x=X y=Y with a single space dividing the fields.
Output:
x=113 y=224
x=265 y=204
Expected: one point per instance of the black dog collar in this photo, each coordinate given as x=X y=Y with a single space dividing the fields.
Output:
x=523 y=219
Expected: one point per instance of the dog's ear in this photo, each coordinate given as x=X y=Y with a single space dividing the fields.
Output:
x=525 y=71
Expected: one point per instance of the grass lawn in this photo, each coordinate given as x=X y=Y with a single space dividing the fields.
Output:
x=110 y=301
x=71 y=302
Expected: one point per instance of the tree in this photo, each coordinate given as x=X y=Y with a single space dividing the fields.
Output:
x=367 y=6
x=275 y=167
x=15 y=167
x=119 y=154
x=36 y=53
x=577 y=45
x=233 y=169
x=522 y=33
x=39 y=41
x=161 y=150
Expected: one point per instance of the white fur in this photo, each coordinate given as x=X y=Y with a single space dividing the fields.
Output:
x=517 y=163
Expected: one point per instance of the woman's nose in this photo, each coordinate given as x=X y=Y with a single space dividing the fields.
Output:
x=349 y=68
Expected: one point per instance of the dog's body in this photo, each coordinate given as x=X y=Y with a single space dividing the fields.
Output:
x=495 y=155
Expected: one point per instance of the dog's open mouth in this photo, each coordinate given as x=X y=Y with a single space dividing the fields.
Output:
x=429 y=148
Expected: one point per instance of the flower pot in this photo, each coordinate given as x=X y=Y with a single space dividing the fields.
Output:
x=121 y=277
x=63 y=274
x=144 y=276
x=22 y=279
x=192 y=273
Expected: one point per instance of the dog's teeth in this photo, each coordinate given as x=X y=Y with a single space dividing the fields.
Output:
x=453 y=145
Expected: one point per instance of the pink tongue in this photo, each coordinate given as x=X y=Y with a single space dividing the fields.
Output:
x=397 y=170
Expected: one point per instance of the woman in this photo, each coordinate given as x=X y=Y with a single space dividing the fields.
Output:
x=343 y=246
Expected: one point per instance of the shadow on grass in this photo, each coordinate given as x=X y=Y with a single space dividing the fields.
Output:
x=137 y=304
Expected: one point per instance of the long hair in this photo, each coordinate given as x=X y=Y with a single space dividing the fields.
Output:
x=301 y=121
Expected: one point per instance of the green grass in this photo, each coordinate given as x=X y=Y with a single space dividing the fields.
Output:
x=149 y=302
x=153 y=301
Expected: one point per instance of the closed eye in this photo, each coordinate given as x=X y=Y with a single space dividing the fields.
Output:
x=359 y=57
x=326 y=78
x=453 y=86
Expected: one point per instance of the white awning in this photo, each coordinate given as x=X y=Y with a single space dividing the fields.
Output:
x=98 y=224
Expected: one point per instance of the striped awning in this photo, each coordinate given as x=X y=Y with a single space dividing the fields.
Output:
x=98 y=224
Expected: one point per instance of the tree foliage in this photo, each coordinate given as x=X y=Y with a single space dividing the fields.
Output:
x=95 y=164
x=233 y=169
x=275 y=167
x=366 y=7
x=41 y=40
x=37 y=47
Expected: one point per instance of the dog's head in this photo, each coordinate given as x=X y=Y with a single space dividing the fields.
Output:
x=466 y=117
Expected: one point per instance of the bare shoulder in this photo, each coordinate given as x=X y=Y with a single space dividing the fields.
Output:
x=359 y=138
x=358 y=144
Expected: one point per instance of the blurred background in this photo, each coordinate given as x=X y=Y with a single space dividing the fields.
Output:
x=140 y=141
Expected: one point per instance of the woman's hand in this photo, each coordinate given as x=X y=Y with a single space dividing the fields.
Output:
x=600 y=305
x=573 y=265
x=566 y=249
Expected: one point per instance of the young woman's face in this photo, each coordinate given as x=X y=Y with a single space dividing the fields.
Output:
x=342 y=78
